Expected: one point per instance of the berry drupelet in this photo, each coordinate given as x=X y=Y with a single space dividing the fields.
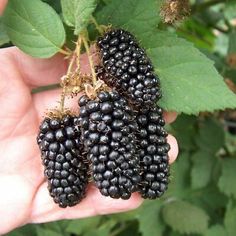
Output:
x=64 y=166
x=130 y=70
x=153 y=151
x=108 y=132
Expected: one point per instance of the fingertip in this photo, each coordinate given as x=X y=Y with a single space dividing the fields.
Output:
x=174 y=149
x=170 y=116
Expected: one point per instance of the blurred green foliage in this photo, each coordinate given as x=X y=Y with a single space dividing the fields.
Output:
x=201 y=199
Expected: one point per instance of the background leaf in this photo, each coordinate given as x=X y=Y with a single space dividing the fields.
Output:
x=193 y=218
x=201 y=172
x=77 y=13
x=69 y=10
x=216 y=230
x=84 y=11
x=211 y=136
x=34 y=27
x=134 y=15
x=227 y=180
x=150 y=222
x=3 y=34
x=82 y=225
x=186 y=74
x=230 y=219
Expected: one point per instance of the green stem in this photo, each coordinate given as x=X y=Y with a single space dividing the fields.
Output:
x=85 y=42
x=99 y=29
x=63 y=94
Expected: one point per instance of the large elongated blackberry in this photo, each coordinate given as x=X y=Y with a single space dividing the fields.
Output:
x=153 y=150
x=108 y=124
x=130 y=70
x=65 y=168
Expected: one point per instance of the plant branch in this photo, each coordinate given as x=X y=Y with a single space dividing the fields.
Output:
x=85 y=42
x=64 y=83
x=64 y=52
x=99 y=29
x=78 y=51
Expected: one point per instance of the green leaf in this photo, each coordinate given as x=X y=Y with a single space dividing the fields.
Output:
x=180 y=176
x=211 y=136
x=211 y=197
x=103 y=230
x=185 y=217
x=34 y=27
x=232 y=42
x=201 y=171
x=230 y=219
x=82 y=225
x=43 y=231
x=77 y=13
x=84 y=11
x=69 y=10
x=190 y=83
x=216 y=230
x=227 y=180
x=3 y=34
x=29 y=229
x=230 y=10
x=134 y=15
x=185 y=131
x=150 y=222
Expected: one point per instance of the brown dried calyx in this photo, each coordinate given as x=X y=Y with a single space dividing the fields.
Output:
x=77 y=83
x=92 y=91
x=174 y=10
x=57 y=113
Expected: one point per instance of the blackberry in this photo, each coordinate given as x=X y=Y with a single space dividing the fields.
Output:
x=130 y=70
x=153 y=151
x=108 y=132
x=64 y=166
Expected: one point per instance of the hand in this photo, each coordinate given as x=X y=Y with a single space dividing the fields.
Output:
x=24 y=196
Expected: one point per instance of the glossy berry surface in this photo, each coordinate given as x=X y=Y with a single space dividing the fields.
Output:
x=153 y=151
x=108 y=132
x=130 y=70
x=64 y=166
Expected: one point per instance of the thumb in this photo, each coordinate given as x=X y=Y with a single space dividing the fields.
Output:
x=3 y=4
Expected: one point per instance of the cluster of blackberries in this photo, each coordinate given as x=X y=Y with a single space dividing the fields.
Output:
x=153 y=152
x=109 y=139
x=63 y=160
x=118 y=138
x=129 y=69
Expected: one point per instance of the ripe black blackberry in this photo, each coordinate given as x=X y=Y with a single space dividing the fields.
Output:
x=130 y=69
x=153 y=150
x=108 y=131
x=62 y=150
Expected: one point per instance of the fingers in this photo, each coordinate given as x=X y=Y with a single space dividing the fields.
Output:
x=37 y=72
x=170 y=116
x=44 y=209
x=48 y=100
x=174 y=149
x=3 y=4
x=33 y=71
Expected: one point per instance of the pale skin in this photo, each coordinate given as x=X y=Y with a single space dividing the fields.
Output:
x=24 y=196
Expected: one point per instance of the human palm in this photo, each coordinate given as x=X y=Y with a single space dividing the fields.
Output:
x=24 y=197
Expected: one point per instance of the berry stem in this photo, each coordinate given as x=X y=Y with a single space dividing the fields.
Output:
x=64 y=83
x=64 y=52
x=78 y=51
x=99 y=29
x=94 y=79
